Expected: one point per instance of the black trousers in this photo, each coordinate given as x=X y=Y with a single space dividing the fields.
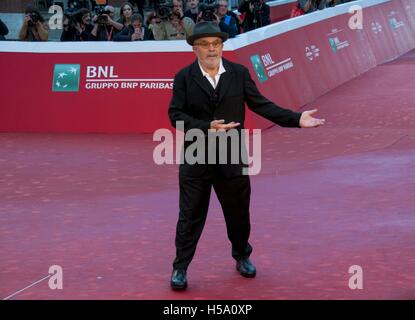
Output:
x=234 y=196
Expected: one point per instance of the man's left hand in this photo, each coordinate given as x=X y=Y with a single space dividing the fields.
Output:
x=307 y=121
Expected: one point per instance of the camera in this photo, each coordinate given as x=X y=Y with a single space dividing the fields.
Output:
x=164 y=9
x=34 y=18
x=207 y=8
x=100 y=11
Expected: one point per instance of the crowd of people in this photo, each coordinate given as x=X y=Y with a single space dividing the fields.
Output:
x=164 y=20
x=307 y=6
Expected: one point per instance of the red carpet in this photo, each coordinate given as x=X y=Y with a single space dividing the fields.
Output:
x=326 y=199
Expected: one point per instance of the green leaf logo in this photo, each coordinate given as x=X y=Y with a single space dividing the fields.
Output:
x=66 y=78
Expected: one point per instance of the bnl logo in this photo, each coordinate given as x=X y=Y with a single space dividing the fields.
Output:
x=66 y=78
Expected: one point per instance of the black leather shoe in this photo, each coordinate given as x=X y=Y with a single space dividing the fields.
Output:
x=178 y=279
x=246 y=268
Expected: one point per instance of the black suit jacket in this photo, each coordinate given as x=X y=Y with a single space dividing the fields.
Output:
x=196 y=103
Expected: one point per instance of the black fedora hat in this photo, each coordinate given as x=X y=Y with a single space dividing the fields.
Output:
x=206 y=29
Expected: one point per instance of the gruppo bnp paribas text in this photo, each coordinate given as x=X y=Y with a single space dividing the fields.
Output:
x=106 y=78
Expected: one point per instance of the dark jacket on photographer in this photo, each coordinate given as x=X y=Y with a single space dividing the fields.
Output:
x=3 y=30
x=127 y=32
x=258 y=18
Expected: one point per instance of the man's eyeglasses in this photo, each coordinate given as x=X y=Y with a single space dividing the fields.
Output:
x=206 y=45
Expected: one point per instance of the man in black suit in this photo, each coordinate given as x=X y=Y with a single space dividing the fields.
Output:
x=210 y=94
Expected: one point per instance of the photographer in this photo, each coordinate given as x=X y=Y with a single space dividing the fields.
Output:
x=34 y=27
x=69 y=30
x=171 y=24
x=136 y=31
x=193 y=10
x=3 y=30
x=83 y=25
x=257 y=14
x=105 y=26
x=208 y=14
x=222 y=13
x=236 y=17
